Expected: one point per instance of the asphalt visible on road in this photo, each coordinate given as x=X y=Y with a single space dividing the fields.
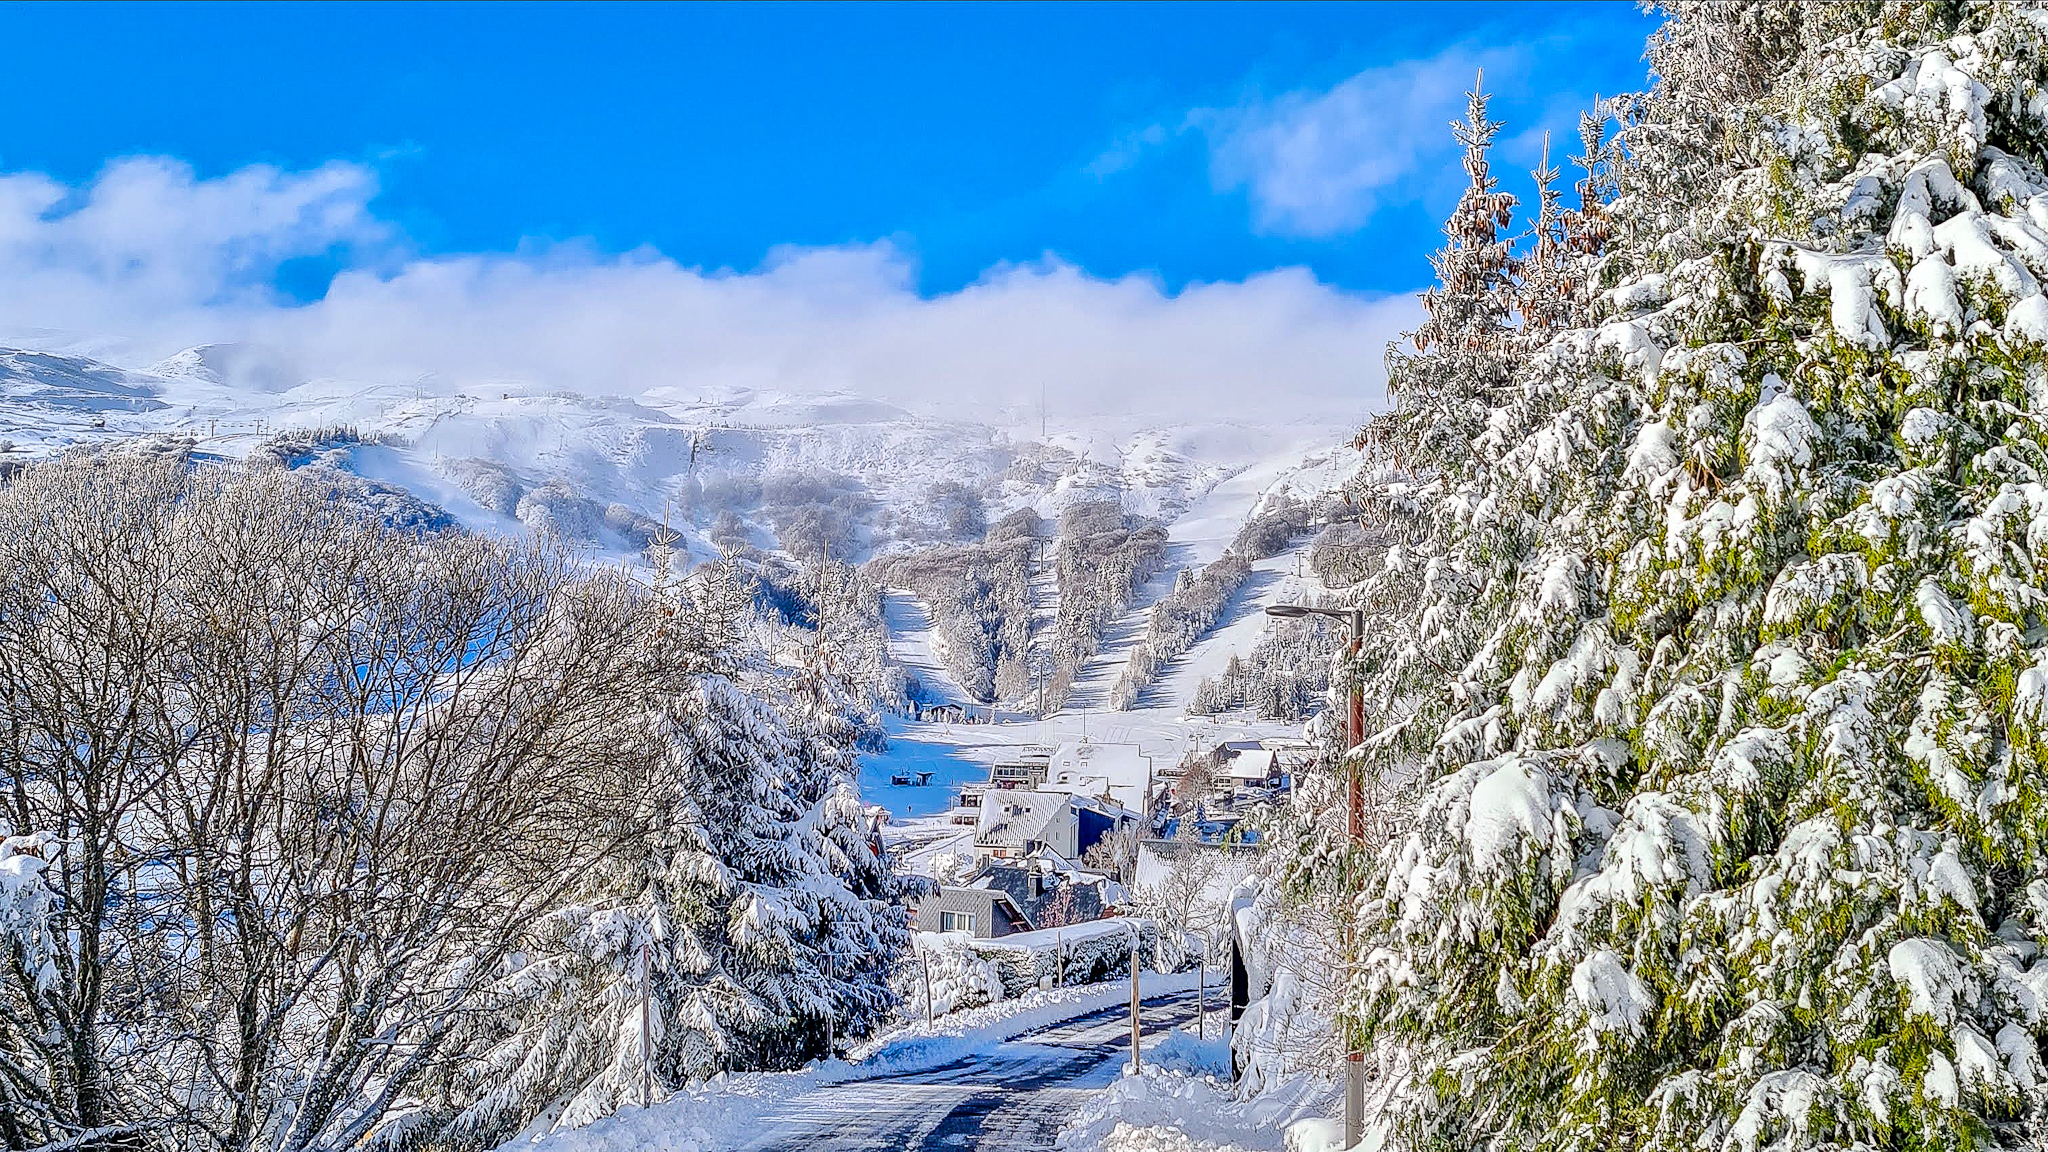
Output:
x=1012 y=1097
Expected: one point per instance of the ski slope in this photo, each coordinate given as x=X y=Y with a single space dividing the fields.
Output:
x=1199 y=535
x=911 y=644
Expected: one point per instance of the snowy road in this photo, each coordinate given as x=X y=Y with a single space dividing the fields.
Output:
x=1013 y=1096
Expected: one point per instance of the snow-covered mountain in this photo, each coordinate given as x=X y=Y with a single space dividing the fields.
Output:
x=607 y=469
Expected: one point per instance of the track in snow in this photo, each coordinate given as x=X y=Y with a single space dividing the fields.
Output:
x=1010 y=1098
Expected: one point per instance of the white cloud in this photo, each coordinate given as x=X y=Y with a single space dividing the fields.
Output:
x=165 y=260
x=1316 y=163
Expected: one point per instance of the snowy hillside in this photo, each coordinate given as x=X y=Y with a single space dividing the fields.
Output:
x=792 y=474
x=518 y=456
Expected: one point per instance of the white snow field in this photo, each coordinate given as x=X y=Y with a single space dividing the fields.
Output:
x=511 y=456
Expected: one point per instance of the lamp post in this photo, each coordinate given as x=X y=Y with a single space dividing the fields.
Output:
x=1354 y=734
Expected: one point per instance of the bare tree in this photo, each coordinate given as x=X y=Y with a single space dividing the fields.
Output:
x=309 y=778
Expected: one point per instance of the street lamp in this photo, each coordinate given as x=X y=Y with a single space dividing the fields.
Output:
x=1354 y=735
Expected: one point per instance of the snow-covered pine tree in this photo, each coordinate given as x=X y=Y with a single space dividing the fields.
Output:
x=757 y=901
x=1466 y=339
x=1721 y=657
x=1586 y=227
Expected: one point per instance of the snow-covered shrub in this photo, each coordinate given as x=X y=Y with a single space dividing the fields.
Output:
x=816 y=514
x=493 y=486
x=1082 y=954
x=388 y=504
x=957 y=975
x=951 y=511
x=1268 y=531
x=556 y=508
x=1711 y=622
x=301 y=446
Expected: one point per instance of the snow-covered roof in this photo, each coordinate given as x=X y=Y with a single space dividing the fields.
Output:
x=1015 y=818
x=1253 y=764
x=1069 y=934
x=1118 y=771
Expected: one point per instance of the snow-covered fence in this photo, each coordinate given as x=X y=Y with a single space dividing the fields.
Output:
x=968 y=973
x=1076 y=954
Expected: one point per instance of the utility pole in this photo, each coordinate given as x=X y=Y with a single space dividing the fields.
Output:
x=1354 y=1058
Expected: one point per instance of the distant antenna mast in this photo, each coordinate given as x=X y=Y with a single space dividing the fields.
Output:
x=1041 y=409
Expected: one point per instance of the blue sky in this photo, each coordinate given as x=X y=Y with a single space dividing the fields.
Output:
x=915 y=151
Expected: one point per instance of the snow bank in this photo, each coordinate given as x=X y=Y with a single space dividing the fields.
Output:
x=1182 y=1102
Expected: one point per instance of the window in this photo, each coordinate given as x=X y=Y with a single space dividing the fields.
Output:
x=956 y=921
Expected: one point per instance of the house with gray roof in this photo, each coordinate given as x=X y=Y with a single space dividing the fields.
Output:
x=1019 y=896
x=1015 y=823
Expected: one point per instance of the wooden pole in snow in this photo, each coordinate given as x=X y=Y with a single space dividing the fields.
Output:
x=925 y=962
x=1136 y=1033
x=646 y=1040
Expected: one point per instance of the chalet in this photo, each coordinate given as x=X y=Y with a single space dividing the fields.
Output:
x=1015 y=823
x=1119 y=774
x=1223 y=753
x=1254 y=768
x=979 y=912
x=1024 y=767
